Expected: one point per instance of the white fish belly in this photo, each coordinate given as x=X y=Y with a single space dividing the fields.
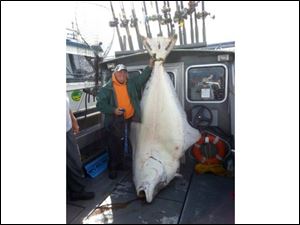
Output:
x=163 y=136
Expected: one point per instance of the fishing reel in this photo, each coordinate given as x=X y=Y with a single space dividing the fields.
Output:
x=133 y=22
x=166 y=21
x=114 y=23
x=166 y=10
x=192 y=6
x=204 y=14
x=124 y=22
x=180 y=15
x=155 y=17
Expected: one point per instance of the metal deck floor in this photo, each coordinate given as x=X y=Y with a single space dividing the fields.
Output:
x=192 y=199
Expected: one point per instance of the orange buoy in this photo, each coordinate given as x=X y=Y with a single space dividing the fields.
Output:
x=201 y=158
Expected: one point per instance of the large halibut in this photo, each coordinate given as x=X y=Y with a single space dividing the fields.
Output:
x=164 y=134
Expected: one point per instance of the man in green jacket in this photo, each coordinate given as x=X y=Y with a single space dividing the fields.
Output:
x=119 y=101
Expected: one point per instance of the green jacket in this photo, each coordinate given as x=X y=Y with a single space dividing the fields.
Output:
x=107 y=104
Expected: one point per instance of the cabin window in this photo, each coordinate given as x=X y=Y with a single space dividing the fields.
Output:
x=79 y=69
x=206 y=83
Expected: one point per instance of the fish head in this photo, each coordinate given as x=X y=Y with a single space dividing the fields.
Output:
x=153 y=178
x=159 y=47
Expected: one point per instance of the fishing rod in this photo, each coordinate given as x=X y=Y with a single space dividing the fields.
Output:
x=190 y=12
x=158 y=19
x=196 y=24
x=124 y=41
x=134 y=23
x=165 y=10
x=177 y=18
x=184 y=16
x=203 y=24
x=170 y=18
x=124 y=23
x=147 y=27
x=115 y=23
x=203 y=15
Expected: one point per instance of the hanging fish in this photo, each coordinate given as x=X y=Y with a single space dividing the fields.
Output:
x=164 y=134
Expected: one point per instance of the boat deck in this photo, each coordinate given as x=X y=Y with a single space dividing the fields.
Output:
x=191 y=198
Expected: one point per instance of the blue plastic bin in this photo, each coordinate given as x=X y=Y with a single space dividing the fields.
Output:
x=97 y=166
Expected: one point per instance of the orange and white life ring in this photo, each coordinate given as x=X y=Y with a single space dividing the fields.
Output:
x=209 y=138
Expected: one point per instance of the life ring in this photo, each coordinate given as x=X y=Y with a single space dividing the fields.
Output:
x=200 y=157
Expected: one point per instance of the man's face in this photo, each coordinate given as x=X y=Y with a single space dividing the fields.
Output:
x=121 y=76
